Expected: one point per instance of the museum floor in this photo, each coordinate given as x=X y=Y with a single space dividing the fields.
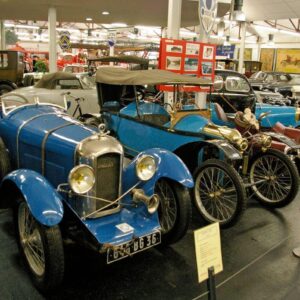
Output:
x=257 y=257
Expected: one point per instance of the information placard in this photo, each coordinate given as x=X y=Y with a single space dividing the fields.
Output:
x=208 y=250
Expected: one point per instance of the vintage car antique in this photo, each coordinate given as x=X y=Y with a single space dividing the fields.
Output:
x=11 y=70
x=219 y=192
x=67 y=181
x=260 y=80
x=53 y=86
x=236 y=94
x=289 y=88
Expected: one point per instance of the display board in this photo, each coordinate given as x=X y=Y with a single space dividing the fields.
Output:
x=188 y=58
x=267 y=58
x=288 y=60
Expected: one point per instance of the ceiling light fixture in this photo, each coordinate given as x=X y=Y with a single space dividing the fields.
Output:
x=105 y=13
x=27 y=26
x=266 y=28
x=271 y=40
x=227 y=41
x=289 y=32
x=89 y=19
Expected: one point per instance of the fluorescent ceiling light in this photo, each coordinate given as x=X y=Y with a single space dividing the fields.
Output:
x=89 y=19
x=266 y=28
x=105 y=13
x=188 y=33
x=67 y=29
x=9 y=25
x=289 y=32
x=27 y=26
x=118 y=24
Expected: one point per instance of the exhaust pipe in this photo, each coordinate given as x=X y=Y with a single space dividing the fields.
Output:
x=151 y=202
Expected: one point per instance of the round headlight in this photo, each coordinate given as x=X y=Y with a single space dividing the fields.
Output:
x=81 y=179
x=145 y=167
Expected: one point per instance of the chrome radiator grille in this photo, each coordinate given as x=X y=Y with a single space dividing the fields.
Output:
x=108 y=177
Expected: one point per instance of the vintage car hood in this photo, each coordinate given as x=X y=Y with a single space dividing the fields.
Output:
x=283 y=114
x=43 y=138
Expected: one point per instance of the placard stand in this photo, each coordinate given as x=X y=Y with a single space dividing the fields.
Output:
x=211 y=286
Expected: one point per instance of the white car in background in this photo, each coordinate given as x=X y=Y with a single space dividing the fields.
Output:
x=53 y=87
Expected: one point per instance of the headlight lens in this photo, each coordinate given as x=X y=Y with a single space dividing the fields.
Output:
x=145 y=167
x=81 y=179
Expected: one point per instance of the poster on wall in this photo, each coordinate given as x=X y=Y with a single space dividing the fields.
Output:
x=267 y=59
x=288 y=60
x=207 y=11
x=189 y=58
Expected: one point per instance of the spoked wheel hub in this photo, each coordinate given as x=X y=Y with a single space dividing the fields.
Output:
x=31 y=240
x=167 y=210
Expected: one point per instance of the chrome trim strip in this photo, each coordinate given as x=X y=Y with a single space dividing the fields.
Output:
x=45 y=140
x=21 y=127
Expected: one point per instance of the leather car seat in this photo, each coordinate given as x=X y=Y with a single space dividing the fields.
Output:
x=220 y=112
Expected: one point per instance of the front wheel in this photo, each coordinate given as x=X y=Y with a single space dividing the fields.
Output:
x=274 y=178
x=41 y=248
x=219 y=193
x=174 y=210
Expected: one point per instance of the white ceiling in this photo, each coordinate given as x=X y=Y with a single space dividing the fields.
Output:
x=136 y=12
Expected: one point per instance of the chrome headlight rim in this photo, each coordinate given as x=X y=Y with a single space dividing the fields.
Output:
x=139 y=161
x=74 y=171
x=242 y=144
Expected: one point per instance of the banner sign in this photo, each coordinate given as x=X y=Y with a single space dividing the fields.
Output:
x=64 y=40
x=225 y=51
x=207 y=14
x=188 y=58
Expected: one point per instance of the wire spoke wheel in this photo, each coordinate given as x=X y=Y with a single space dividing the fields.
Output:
x=31 y=240
x=219 y=192
x=174 y=211
x=167 y=210
x=41 y=248
x=274 y=178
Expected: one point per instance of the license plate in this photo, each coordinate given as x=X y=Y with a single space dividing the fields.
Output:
x=130 y=248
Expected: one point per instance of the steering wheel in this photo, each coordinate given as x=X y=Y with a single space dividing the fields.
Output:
x=168 y=104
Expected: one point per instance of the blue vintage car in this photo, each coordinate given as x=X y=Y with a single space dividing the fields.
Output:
x=235 y=94
x=209 y=151
x=65 y=180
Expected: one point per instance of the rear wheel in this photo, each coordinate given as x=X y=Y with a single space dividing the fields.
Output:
x=219 y=193
x=5 y=88
x=174 y=210
x=274 y=177
x=42 y=249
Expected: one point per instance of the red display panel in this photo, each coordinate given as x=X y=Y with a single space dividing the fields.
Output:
x=189 y=58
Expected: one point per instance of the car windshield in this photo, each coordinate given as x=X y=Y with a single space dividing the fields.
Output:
x=258 y=75
x=87 y=81
x=10 y=102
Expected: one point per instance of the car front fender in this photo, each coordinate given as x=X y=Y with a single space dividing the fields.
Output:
x=169 y=166
x=227 y=150
x=43 y=200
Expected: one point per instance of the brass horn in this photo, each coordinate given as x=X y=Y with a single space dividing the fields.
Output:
x=151 y=202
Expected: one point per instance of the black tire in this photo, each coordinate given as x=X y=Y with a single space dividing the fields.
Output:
x=284 y=179
x=4 y=161
x=46 y=272
x=211 y=200
x=174 y=210
x=5 y=88
x=28 y=80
